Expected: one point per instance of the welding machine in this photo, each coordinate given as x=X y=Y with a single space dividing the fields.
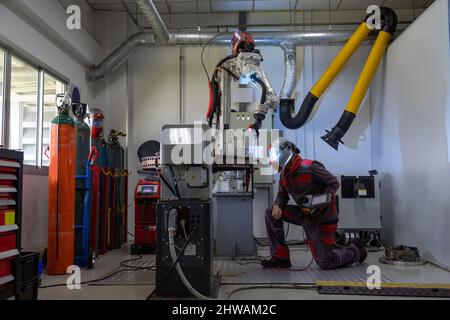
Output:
x=146 y=196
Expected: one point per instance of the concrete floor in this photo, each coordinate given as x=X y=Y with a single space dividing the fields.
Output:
x=111 y=261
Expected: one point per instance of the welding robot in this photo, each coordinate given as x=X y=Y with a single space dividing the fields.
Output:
x=243 y=63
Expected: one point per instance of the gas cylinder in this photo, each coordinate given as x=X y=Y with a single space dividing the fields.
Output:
x=116 y=161
x=98 y=200
x=83 y=148
x=60 y=251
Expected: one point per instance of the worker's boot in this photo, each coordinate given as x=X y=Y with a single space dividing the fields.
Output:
x=359 y=245
x=276 y=263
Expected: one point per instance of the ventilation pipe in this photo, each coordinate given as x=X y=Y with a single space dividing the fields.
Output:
x=160 y=31
x=121 y=54
x=290 y=62
x=262 y=38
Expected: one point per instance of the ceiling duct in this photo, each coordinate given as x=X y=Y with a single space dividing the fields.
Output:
x=160 y=31
x=262 y=38
x=290 y=61
x=121 y=54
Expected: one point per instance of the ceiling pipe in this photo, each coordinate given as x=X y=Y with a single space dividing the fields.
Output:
x=120 y=55
x=262 y=38
x=160 y=31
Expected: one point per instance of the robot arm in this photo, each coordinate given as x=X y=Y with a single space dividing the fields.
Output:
x=248 y=65
x=245 y=62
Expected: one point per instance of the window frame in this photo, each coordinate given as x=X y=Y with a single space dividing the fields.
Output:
x=43 y=70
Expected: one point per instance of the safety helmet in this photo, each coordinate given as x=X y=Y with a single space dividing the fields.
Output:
x=281 y=153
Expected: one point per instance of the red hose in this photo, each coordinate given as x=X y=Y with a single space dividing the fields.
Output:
x=211 y=101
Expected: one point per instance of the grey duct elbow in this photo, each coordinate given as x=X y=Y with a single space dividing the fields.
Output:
x=334 y=137
x=287 y=107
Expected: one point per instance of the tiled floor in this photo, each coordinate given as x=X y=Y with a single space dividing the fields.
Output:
x=140 y=289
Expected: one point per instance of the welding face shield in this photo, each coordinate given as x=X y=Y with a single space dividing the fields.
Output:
x=281 y=153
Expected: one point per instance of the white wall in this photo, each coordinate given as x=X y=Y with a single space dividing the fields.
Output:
x=411 y=125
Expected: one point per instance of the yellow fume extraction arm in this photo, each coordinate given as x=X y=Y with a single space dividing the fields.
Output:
x=333 y=137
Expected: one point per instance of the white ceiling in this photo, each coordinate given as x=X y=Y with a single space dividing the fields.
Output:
x=216 y=6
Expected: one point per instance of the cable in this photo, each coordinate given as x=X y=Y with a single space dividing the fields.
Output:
x=203 y=52
x=88 y=282
x=287 y=232
x=306 y=286
x=167 y=184
x=175 y=184
x=125 y=265
x=122 y=264
x=305 y=267
x=180 y=272
x=263 y=88
x=166 y=277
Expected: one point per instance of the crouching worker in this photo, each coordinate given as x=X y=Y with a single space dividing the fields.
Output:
x=299 y=179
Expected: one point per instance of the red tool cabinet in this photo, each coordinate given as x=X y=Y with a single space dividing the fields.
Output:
x=11 y=173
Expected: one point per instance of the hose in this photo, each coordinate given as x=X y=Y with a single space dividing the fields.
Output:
x=173 y=254
x=263 y=87
x=181 y=274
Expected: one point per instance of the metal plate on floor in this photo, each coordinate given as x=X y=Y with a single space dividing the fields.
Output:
x=234 y=273
x=387 y=289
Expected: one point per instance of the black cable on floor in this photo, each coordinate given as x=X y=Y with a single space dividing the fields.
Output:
x=287 y=287
x=125 y=265
x=122 y=264
x=88 y=282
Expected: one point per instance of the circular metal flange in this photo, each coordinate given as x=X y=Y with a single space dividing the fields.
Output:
x=400 y=263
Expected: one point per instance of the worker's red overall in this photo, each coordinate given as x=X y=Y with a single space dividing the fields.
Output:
x=306 y=177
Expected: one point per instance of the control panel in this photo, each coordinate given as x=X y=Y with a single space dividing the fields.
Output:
x=147 y=190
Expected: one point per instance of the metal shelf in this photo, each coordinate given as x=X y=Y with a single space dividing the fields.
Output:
x=5 y=280
x=11 y=183
x=9 y=228
x=9 y=254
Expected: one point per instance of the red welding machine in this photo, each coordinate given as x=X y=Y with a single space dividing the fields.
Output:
x=146 y=196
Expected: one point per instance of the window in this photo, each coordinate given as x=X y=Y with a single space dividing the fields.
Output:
x=27 y=106
x=52 y=87
x=23 y=109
